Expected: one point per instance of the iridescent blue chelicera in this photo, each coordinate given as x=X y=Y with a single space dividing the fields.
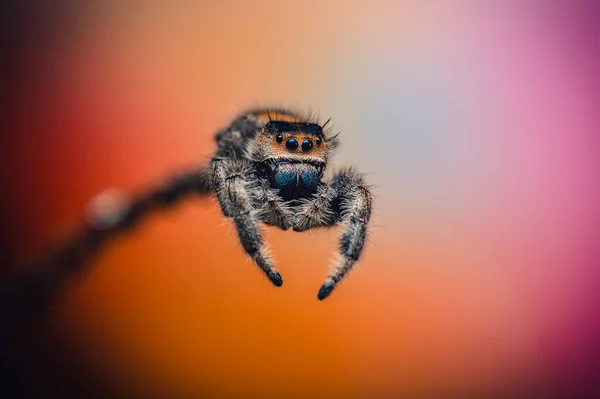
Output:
x=309 y=176
x=298 y=176
x=285 y=175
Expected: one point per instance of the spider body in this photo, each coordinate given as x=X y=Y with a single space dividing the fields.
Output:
x=269 y=168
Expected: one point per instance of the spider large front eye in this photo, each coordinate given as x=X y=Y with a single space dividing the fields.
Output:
x=307 y=145
x=292 y=144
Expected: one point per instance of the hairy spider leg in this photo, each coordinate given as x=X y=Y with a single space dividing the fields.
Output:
x=231 y=182
x=345 y=200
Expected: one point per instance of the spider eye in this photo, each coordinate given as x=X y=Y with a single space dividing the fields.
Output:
x=318 y=141
x=279 y=138
x=292 y=144
x=307 y=145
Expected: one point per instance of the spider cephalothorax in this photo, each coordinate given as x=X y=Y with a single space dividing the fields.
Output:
x=269 y=168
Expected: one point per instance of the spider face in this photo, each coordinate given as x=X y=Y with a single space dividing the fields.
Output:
x=293 y=154
x=298 y=156
x=299 y=139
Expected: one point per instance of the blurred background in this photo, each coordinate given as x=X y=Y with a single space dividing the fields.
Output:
x=476 y=121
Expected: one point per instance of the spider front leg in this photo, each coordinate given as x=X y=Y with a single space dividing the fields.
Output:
x=317 y=211
x=273 y=210
x=231 y=182
x=346 y=200
x=355 y=211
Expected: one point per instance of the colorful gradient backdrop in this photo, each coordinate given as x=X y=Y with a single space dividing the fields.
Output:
x=476 y=121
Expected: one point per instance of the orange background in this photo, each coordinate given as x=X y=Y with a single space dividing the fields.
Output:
x=457 y=290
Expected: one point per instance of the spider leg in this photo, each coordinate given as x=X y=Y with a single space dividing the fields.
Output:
x=317 y=211
x=345 y=200
x=354 y=212
x=272 y=209
x=231 y=182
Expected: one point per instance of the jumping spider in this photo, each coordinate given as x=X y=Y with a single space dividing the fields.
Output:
x=269 y=167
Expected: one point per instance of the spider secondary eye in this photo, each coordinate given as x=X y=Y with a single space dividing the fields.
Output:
x=318 y=141
x=279 y=138
x=307 y=145
x=292 y=144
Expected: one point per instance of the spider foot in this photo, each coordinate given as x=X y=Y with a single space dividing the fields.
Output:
x=275 y=277
x=326 y=289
